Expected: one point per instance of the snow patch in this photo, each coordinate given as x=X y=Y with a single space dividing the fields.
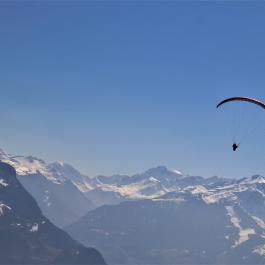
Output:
x=3 y=183
x=178 y=172
x=34 y=228
x=136 y=190
x=259 y=222
x=152 y=179
x=28 y=165
x=174 y=200
x=243 y=233
x=102 y=232
x=199 y=189
x=3 y=208
x=260 y=250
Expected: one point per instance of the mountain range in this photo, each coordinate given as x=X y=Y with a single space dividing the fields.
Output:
x=199 y=224
x=65 y=195
x=160 y=216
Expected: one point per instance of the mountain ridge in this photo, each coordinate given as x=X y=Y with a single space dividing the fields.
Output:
x=27 y=237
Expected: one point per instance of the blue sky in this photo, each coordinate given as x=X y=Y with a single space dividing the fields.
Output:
x=119 y=87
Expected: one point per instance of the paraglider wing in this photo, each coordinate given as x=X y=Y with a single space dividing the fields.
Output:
x=251 y=100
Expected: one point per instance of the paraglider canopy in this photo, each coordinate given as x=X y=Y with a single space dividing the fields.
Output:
x=251 y=100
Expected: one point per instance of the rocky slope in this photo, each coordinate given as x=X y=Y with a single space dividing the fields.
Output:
x=27 y=237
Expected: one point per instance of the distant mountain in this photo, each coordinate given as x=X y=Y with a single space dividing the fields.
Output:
x=199 y=224
x=54 y=186
x=27 y=237
x=150 y=184
x=65 y=195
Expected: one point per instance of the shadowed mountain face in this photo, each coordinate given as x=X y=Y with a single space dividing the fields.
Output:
x=61 y=202
x=196 y=225
x=27 y=237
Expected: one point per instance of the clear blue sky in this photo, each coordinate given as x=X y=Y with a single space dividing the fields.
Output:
x=122 y=86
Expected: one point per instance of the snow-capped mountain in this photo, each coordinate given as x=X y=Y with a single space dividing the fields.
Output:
x=148 y=185
x=64 y=194
x=198 y=224
x=57 y=172
x=27 y=237
x=54 y=186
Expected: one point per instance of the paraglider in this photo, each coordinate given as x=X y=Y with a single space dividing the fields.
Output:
x=234 y=146
x=246 y=99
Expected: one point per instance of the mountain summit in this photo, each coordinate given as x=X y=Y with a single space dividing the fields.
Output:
x=54 y=186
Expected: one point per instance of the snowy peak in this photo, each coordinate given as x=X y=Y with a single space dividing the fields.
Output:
x=56 y=172
x=151 y=184
x=161 y=172
x=63 y=171
x=154 y=180
x=24 y=165
x=178 y=172
x=27 y=165
x=255 y=179
x=57 y=187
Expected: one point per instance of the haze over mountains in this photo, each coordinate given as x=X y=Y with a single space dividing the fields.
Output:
x=160 y=216
x=196 y=225
x=64 y=194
